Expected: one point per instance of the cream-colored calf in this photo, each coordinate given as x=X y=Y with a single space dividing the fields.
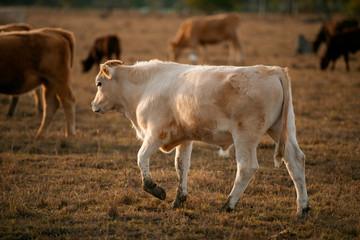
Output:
x=170 y=105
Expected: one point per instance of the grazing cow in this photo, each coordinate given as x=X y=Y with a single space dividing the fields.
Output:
x=40 y=57
x=198 y=32
x=37 y=93
x=330 y=27
x=343 y=43
x=171 y=104
x=103 y=46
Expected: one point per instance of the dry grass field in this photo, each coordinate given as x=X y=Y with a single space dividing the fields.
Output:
x=89 y=187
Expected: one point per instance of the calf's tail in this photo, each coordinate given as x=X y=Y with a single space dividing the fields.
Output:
x=281 y=145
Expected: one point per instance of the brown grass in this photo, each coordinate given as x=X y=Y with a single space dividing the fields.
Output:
x=90 y=186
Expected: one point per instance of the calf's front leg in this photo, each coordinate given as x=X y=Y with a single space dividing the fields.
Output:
x=148 y=147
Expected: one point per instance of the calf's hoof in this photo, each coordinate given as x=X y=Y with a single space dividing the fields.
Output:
x=304 y=213
x=178 y=202
x=226 y=208
x=154 y=190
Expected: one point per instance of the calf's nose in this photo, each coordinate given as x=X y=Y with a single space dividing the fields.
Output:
x=95 y=108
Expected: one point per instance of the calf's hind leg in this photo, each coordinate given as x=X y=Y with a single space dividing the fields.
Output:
x=182 y=165
x=247 y=165
x=295 y=164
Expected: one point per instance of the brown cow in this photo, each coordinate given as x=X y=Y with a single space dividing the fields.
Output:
x=37 y=93
x=103 y=46
x=331 y=27
x=198 y=32
x=40 y=57
x=343 y=43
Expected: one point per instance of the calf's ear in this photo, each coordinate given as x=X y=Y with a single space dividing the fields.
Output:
x=107 y=71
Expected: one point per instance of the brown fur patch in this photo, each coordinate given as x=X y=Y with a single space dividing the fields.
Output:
x=264 y=69
x=15 y=27
x=260 y=120
x=163 y=135
x=234 y=87
x=168 y=147
x=240 y=125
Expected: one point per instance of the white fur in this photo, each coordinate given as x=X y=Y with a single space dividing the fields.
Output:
x=170 y=105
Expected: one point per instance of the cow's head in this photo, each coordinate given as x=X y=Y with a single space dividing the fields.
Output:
x=87 y=64
x=324 y=62
x=174 y=51
x=104 y=98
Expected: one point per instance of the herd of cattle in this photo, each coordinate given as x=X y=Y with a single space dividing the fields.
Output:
x=170 y=104
x=341 y=38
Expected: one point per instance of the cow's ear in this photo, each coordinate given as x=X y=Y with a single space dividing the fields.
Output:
x=107 y=71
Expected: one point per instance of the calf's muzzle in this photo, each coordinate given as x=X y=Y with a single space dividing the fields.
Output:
x=95 y=108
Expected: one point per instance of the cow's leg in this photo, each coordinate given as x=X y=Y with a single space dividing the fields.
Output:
x=247 y=165
x=117 y=53
x=182 y=165
x=38 y=100
x=346 y=58
x=68 y=102
x=148 y=147
x=203 y=52
x=108 y=55
x=295 y=164
x=50 y=106
x=14 y=101
x=333 y=65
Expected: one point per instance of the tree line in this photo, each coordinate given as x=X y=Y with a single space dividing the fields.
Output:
x=349 y=7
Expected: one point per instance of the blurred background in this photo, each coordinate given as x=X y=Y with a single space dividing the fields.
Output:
x=293 y=7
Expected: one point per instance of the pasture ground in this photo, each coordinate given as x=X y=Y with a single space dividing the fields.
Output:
x=89 y=187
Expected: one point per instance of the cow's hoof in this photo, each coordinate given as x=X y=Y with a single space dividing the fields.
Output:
x=178 y=202
x=156 y=191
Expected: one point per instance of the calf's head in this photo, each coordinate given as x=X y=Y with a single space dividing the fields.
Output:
x=104 y=98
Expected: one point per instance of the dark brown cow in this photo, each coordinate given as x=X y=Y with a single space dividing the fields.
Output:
x=330 y=27
x=198 y=32
x=339 y=44
x=40 y=57
x=103 y=46
x=37 y=93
